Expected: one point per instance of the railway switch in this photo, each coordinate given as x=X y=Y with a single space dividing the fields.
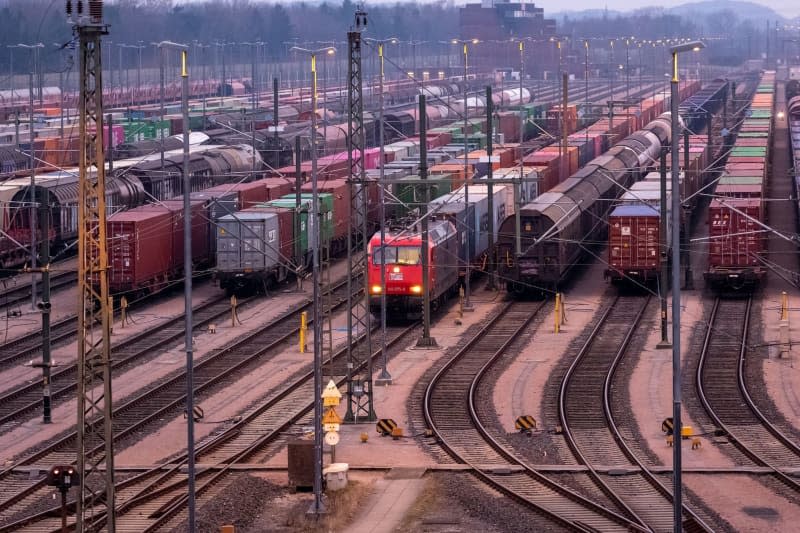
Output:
x=385 y=426
x=686 y=432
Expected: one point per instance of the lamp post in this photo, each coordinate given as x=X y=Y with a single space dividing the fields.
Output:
x=465 y=44
x=676 y=288
x=11 y=67
x=627 y=70
x=222 y=44
x=640 y=75
x=318 y=507
x=384 y=377
x=34 y=48
x=187 y=269
x=33 y=211
x=611 y=70
x=586 y=76
x=518 y=186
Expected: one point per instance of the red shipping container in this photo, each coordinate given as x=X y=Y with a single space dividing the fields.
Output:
x=146 y=245
x=634 y=243
x=200 y=229
x=256 y=192
x=735 y=241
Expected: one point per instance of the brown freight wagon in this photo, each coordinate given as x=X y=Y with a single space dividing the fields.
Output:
x=145 y=245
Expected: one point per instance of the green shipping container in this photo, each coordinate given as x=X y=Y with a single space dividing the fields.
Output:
x=475 y=141
x=142 y=130
x=749 y=151
x=740 y=180
x=325 y=207
x=305 y=209
x=411 y=194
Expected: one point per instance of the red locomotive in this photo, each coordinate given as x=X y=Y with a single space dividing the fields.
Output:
x=402 y=260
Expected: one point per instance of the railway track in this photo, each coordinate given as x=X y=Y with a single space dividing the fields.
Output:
x=450 y=412
x=591 y=432
x=158 y=402
x=19 y=404
x=150 y=500
x=722 y=389
x=15 y=295
x=18 y=348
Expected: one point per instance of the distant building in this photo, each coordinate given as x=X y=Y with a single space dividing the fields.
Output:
x=496 y=22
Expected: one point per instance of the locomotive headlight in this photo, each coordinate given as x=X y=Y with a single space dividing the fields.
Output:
x=376 y=289
x=416 y=289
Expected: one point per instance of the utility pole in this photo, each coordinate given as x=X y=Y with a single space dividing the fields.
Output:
x=468 y=245
x=564 y=126
x=662 y=282
x=685 y=215
x=489 y=187
x=32 y=210
x=95 y=445
x=359 y=383
x=426 y=341
x=586 y=76
x=518 y=184
x=385 y=378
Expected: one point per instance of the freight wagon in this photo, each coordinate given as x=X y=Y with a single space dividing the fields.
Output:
x=737 y=240
x=635 y=249
x=558 y=225
x=145 y=246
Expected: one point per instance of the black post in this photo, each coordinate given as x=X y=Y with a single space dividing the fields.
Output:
x=298 y=182
x=64 y=510
x=44 y=307
x=724 y=109
x=110 y=150
x=489 y=188
x=426 y=341
x=686 y=215
x=663 y=283
x=275 y=108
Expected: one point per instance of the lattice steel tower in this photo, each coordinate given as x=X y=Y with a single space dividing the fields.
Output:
x=359 y=354
x=95 y=448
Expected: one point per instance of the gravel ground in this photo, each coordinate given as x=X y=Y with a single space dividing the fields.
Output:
x=537 y=447
x=621 y=408
x=240 y=507
x=455 y=502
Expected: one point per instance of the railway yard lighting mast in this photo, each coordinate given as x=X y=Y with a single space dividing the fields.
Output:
x=187 y=282
x=318 y=507
x=384 y=378
x=95 y=445
x=465 y=44
x=33 y=212
x=693 y=46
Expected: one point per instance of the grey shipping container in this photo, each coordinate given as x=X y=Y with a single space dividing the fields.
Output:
x=247 y=242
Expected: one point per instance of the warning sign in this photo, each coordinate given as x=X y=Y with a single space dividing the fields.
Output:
x=331 y=417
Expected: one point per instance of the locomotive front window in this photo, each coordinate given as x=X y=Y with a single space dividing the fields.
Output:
x=398 y=255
